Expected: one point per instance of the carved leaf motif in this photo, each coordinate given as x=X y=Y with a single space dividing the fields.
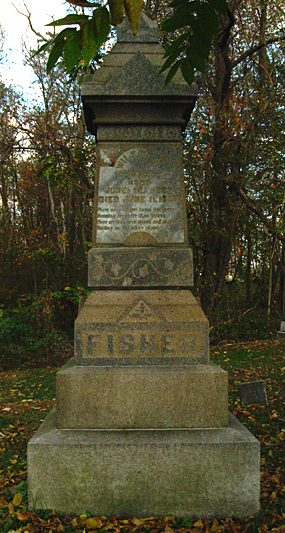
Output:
x=116 y=269
x=169 y=264
x=127 y=282
x=144 y=271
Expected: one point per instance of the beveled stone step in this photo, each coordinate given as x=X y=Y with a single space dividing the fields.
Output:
x=203 y=473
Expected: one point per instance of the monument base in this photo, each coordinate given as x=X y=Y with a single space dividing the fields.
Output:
x=143 y=397
x=187 y=473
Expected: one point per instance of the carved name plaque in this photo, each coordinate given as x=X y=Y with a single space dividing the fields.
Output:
x=140 y=192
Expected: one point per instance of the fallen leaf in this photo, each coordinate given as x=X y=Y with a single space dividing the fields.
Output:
x=199 y=524
x=93 y=523
x=216 y=528
x=168 y=529
x=17 y=499
x=21 y=517
x=138 y=522
x=11 y=508
x=3 y=502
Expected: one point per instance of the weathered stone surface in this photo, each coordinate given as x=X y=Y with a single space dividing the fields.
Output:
x=141 y=327
x=140 y=267
x=140 y=195
x=193 y=473
x=141 y=397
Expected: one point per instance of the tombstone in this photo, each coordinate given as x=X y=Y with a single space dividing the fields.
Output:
x=281 y=333
x=253 y=392
x=141 y=425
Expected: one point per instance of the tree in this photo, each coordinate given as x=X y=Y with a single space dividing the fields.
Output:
x=234 y=134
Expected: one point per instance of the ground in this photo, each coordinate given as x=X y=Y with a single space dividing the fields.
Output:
x=27 y=395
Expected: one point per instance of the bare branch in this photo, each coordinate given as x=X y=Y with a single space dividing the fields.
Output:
x=28 y=16
x=270 y=227
x=255 y=49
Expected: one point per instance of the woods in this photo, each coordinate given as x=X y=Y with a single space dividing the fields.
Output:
x=234 y=178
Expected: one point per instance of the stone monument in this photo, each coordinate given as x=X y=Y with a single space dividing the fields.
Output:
x=141 y=425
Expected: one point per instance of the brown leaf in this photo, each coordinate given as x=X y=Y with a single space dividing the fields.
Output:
x=216 y=528
x=3 y=502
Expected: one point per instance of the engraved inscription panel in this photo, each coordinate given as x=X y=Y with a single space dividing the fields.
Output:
x=139 y=192
x=139 y=343
x=139 y=133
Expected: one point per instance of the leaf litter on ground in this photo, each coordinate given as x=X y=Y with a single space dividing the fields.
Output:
x=26 y=396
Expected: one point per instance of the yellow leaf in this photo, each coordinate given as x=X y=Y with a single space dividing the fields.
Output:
x=93 y=523
x=17 y=499
x=133 y=10
x=137 y=522
x=117 y=11
x=199 y=524
x=168 y=529
x=11 y=508
x=21 y=517
x=110 y=525
x=124 y=521
x=74 y=522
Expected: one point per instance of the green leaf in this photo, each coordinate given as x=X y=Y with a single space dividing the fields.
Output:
x=83 y=3
x=69 y=19
x=43 y=48
x=55 y=53
x=177 y=43
x=219 y=5
x=102 y=19
x=172 y=72
x=206 y=21
x=196 y=59
x=181 y=18
x=187 y=70
x=169 y=61
x=191 y=5
x=197 y=43
x=89 y=40
x=72 y=50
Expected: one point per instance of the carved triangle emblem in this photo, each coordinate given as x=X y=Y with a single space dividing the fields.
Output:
x=140 y=311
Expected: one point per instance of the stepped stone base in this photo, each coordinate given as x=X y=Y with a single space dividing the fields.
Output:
x=194 y=473
x=145 y=397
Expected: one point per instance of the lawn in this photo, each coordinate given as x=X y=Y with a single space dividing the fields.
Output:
x=26 y=396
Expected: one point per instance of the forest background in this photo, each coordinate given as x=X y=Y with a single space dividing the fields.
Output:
x=234 y=179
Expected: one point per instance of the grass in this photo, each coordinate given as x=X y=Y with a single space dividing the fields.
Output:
x=26 y=396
